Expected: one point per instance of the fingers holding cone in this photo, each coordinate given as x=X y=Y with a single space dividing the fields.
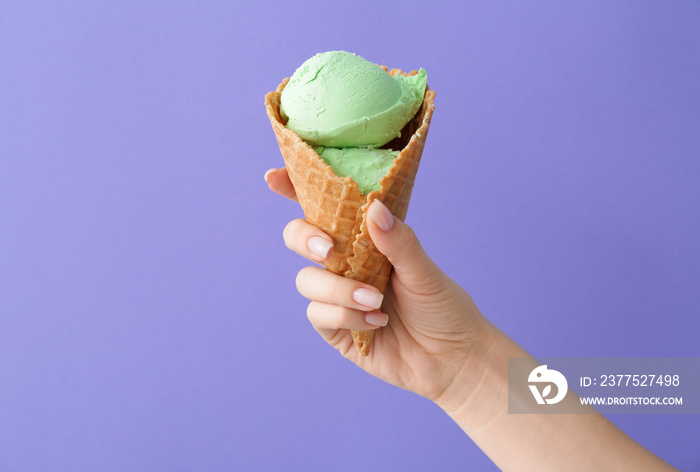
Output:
x=279 y=182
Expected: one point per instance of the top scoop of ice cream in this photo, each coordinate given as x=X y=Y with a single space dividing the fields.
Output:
x=339 y=99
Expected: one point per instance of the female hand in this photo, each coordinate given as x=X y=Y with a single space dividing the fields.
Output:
x=433 y=334
x=436 y=343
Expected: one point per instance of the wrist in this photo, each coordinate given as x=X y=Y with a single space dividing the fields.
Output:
x=479 y=392
x=470 y=370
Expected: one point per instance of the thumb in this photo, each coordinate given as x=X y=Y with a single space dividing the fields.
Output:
x=397 y=241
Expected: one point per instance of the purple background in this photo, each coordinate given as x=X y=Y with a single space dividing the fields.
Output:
x=148 y=314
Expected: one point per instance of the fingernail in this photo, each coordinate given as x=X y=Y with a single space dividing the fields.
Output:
x=376 y=318
x=367 y=297
x=319 y=246
x=267 y=174
x=381 y=216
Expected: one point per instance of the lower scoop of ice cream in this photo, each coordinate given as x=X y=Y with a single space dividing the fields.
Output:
x=366 y=166
x=338 y=99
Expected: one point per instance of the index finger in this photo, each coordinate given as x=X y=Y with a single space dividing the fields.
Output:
x=279 y=182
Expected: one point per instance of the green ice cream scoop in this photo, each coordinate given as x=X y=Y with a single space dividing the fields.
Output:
x=339 y=99
x=366 y=166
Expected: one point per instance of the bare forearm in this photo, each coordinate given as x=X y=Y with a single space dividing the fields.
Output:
x=539 y=442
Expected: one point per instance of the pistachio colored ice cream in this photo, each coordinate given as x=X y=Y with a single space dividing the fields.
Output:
x=366 y=166
x=349 y=107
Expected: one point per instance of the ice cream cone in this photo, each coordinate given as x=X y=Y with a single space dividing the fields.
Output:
x=336 y=205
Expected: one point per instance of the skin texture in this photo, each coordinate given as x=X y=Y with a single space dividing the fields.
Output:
x=436 y=343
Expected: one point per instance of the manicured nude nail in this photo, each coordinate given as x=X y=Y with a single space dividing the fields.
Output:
x=267 y=174
x=319 y=246
x=376 y=318
x=367 y=297
x=381 y=216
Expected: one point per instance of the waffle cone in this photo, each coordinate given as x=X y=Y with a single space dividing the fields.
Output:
x=335 y=204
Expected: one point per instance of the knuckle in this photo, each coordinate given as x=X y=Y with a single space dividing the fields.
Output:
x=336 y=288
x=344 y=316
x=340 y=316
x=289 y=233
x=302 y=276
x=311 y=311
x=323 y=315
x=409 y=240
